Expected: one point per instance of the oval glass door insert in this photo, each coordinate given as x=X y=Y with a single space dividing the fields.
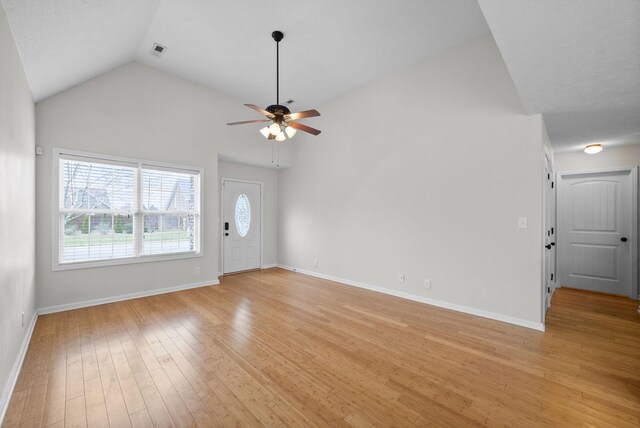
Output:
x=243 y=215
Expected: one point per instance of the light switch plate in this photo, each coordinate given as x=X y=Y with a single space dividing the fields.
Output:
x=522 y=222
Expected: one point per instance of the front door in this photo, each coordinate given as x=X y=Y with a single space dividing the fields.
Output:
x=595 y=240
x=242 y=228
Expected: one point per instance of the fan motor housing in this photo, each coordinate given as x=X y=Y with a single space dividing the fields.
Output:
x=278 y=110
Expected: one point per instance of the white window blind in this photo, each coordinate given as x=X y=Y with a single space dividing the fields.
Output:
x=169 y=208
x=113 y=210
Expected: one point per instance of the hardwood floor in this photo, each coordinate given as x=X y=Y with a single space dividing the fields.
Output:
x=283 y=349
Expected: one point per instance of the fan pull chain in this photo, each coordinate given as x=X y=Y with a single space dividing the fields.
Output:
x=277 y=155
x=271 y=151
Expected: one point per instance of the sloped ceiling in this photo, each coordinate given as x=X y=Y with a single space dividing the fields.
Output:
x=65 y=42
x=575 y=61
x=330 y=48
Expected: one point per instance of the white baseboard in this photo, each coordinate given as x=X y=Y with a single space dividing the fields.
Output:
x=104 y=300
x=270 y=266
x=15 y=371
x=439 y=303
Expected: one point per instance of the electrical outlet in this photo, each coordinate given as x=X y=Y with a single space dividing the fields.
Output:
x=427 y=283
x=315 y=262
x=197 y=270
x=401 y=278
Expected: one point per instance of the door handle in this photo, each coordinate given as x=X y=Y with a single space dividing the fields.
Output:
x=553 y=244
x=548 y=246
x=623 y=239
x=226 y=234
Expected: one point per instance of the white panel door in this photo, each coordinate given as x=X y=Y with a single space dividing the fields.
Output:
x=242 y=228
x=596 y=231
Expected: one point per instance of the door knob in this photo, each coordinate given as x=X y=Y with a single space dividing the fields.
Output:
x=548 y=247
x=226 y=234
x=623 y=239
x=553 y=244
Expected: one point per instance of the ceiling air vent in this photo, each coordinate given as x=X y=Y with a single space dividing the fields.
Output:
x=158 y=50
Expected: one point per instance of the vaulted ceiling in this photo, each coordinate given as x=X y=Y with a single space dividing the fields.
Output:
x=330 y=48
x=575 y=61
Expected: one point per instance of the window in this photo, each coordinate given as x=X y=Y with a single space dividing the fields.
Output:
x=168 y=212
x=243 y=215
x=113 y=211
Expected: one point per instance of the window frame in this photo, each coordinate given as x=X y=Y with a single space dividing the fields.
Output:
x=57 y=265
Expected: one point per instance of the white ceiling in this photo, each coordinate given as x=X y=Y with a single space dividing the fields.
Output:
x=65 y=42
x=575 y=61
x=330 y=48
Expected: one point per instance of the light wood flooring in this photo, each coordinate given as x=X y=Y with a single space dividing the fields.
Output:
x=277 y=348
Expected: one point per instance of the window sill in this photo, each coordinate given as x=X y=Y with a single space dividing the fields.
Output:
x=124 y=261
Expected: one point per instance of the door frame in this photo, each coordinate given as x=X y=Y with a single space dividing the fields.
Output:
x=633 y=291
x=237 y=180
x=547 y=162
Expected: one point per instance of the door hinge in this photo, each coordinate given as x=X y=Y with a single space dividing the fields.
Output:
x=548 y=176
x=552 y=230
x=552 y=184
x=551 y=277
x=548 y=289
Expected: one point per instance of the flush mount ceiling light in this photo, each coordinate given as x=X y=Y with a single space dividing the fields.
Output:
x=592 y=149
x=282 y=120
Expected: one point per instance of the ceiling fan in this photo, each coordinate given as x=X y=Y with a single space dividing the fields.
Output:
x=283 y=123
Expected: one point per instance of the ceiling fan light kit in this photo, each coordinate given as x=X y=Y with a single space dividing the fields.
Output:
x=283 y=125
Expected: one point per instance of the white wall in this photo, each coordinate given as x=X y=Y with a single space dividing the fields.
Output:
x=610 y=157
x=17 y=208
x=269 y=179
x=424 y=173
x=135 y=111
x=426 y=178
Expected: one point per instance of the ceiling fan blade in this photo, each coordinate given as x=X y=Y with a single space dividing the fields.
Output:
x=302 y=115
x=304 y=128
x=248 y=121
x=260 y=110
